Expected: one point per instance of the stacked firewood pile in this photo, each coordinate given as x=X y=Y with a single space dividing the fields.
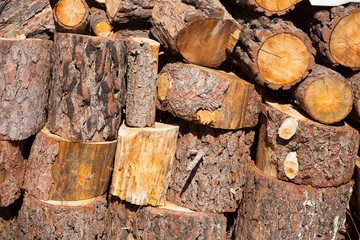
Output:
x=177 y=119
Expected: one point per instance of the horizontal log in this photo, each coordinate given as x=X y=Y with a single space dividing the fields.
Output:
x=268 y=7
x=355 y=87
x=129 y=11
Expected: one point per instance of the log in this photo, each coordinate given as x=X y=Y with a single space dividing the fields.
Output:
x=268 y=7
x=60 y=170
x=129 y=11
x=9 y=225
x=208 y=173
x=178 y=25
x=325 y=95
x=143 y=164
x=356 y=193
x=273 y=52
x=209 y=97
x=87 y=88
x=274 y=209
x=126 y=34
x=315 y=154
x=354 y=82
x=165 y=222
x=335 y=35
x=100 y=24
x=24 y=81
x=141 y=76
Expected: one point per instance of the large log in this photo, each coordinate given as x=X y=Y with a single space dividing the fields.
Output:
x=58 y=169
x=208 y=173
x=294 y=148
x=207 y=96
x=24 y=85
x=273 y=209
x=355 y=87
x=273 y=52
x=87 y=87
x=268 y=7
x=129 y=11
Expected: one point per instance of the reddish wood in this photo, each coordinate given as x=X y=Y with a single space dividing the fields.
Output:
x=124 y=11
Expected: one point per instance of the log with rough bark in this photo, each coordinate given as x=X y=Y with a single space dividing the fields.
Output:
x=208 y=173
x=143 y=164
x=84 y=219
x=325 y=95
x=124 y=11
x=355 y=87
x=207 y=96
x=87 y=88
x=268 y=7
x=100 y=24
x=9 y=225
x=24 y=85
x=202 y=34
x=335 y=35
x=58 y=169
x=294 y=148
x=141 y=76
x=127 y=34
x=274 y=209
x=273 y=52
x=165 y=222
x=356 y=193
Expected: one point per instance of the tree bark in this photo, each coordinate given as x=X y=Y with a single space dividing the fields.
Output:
x=100 y=24
x=87 y=88
x=355 y=87
x=209 y=169
x=129 y=11
x=268 y=7
x=207 y=96
x=24 y=84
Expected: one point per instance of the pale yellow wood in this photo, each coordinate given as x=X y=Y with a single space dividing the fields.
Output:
x=77 y=203
x=103 y=29
x=276 y=5
x=174 y=207
x=70 y=12
x=164 y=84
x=112 y=6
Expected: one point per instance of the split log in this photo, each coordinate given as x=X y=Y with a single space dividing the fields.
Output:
x=335 y=35
x=273 y=52
x=100 y=24
x=273 y=209
x=314 y=154
x=24 y=86
x=72 y=16
x=207 y=96
x=124 y=11
x=85 y=219
x=325 y=95
x=143 y=164
x=355 y=87
x=87 y=88
x=209 y=169
x=165 y=222
x=61 y=170
x=141 y=76
x=268 y=7
x=201 y=35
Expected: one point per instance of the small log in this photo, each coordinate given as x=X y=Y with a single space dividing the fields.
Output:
x=355 y=87
x=273 y=209
x=143 y=164
x=58 y=169
x=165 y=222
x=87 y=88
x=202 y=34
x=268 y=7
x=142 y=66
x=207 y=96
x=273 y=52
x=209 y=169
x=100 y=24
x=24 y=85
x=124 y=11
x=325 y=95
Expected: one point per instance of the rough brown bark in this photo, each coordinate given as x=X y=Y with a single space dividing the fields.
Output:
x=355 y=87
x=100 y=24
x=207 y=96
x=124 y=11
x=268 y=7
x=9 y=226
x=167 y=222
x=87 y=87
x=24 y=82
x=273 y=209
x=126 y=34
x=208 y=173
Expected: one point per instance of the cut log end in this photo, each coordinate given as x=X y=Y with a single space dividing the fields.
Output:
x=71 y=12
x=288 y=128
x=291 y=165
x=164 y=84
x=103 y=29
x=275 y=6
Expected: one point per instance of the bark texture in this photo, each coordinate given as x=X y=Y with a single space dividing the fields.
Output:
x=268 y=7
x=214 y=183
x=355 y=87
x=24 y=86
x=273 y=209
x=87 y=88
x=124 y=11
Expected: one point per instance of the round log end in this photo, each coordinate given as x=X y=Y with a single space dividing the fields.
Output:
x=71 y=12
x=103 y=29
x=275 y=6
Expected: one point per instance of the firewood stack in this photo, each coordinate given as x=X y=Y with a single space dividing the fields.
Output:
x=177 y=119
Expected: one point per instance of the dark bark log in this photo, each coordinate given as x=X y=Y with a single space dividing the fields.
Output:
x=100 y=24
x=355 y=87
x=129 y=11
x=208 y=173
x=24 y=86
x=87 y=87
x=268 y=7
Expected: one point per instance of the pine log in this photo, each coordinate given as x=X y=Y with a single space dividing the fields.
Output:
x=209 y=169
x=315 y=154
x=9 y=225
x=143 y=164
x=87 y=88
x=124 y=11
x=141 y=76
x=325 y=95
x=355 y=87
x=100 y=24
x=356 y=193
x=61 y=170
x=24 y=82
x=202 y=34
x=207 y=96
x=335 y=35
x=85 y=219
x=268 y=7
x=72 y=16
x=273 y=209
x=273 y=52
x=127 y=34
x=165 y=222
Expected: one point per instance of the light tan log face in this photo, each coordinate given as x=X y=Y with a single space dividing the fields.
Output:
x=275 y=5
x=71 y=12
